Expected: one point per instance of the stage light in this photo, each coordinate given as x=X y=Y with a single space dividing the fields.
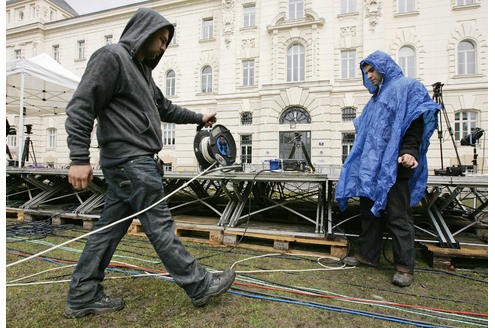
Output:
x=473 y=137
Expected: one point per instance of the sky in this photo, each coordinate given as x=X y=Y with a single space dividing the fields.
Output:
x=88 y=6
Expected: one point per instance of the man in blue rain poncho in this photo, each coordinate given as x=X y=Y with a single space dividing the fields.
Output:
x=387 y=166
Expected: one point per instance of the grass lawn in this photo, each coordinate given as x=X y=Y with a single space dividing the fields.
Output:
x=355 y=297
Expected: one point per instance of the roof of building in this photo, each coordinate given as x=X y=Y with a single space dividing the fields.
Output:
x=59 y=3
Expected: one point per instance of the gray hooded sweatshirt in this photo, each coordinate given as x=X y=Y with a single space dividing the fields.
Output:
x=119 y=92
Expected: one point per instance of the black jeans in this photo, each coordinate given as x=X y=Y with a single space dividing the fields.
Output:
x=131 y=187
x=400 y=224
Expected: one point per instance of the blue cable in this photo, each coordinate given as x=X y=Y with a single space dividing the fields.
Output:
x=337 y=309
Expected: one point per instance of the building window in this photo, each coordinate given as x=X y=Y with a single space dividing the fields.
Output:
x=108 y=39
x=466 y=56
x=247 y=72
x=348 y=64
x=167 y=167
x=207 y=28
x=249 y=13
x=405 y=6
x=465 y=122
x=246 y=149
x=347 y=6
x=206 y=79
x=296 y=9
x=168 y=134
x=56 y=52
x=19 y=13
x=295 y=115
x=295 y=63
x=170 y=83
x=18 y=54
x=347 y=142
x=52 y=138
x=12 y=140
x=174 y=37
x=246 y=118
x=295 y=145
x=465 y=2
x=81 y=49
x=407 y=61
x=348 y=114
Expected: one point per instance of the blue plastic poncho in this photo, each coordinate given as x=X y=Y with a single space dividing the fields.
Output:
x=370 y=170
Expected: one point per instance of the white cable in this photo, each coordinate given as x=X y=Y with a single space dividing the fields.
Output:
x=38 y=273
x=67 y=280
x=204 y=150
x=113 y=223
x=325 y=268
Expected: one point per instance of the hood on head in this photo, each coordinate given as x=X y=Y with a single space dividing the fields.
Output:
x=140 y=27
x=383 y=64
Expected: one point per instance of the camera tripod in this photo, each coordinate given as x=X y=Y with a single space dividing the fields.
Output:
x=297 y=143
x=438 y=98
x=28 y=150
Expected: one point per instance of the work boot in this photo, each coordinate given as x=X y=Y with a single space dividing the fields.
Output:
x=402 y=279
x=104 y=305
x=220 y=283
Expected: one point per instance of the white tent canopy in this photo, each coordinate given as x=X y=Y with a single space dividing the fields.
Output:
x=37 y=86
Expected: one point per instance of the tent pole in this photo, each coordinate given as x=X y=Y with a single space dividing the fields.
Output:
x=20 y=128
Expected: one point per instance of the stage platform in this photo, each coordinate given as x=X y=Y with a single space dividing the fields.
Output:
x=301 y=203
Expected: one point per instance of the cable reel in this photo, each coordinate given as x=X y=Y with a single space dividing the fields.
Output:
x=214 y=145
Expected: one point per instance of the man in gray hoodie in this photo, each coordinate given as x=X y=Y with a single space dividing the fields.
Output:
x=117 y=89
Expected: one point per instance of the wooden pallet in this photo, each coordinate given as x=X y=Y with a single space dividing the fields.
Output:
x=18 y=214
x=441 y=258
x=200 y=232
x=272 y=242
x=23 y=215
x=205 y=230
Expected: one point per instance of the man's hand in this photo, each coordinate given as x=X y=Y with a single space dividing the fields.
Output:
x=408 y=160
x=209 y=119
x=80 y=175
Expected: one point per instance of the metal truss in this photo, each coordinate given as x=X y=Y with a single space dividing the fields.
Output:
x=236 y=197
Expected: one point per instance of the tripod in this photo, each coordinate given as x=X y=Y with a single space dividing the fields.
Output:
x=438 y=98
x=10 y=131
x=299 y=144
x=28 y=149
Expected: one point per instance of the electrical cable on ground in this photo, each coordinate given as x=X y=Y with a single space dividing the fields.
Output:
x=297 y=290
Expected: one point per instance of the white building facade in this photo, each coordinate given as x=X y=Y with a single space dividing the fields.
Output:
x=271 y=69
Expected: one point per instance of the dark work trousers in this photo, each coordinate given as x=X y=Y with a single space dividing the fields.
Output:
x=400 y=224
x=131 y=187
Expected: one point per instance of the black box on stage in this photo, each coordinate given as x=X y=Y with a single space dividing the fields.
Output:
x=293 y=165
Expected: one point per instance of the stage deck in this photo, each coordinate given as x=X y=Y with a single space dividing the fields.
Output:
x=233 y=198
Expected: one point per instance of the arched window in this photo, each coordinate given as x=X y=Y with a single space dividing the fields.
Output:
x=206 y=79
x=407 y=61
x=246 y=118
x=348 y=114
x=295 y=63
x=295 y=115
x=170 y=83
x=466 y=58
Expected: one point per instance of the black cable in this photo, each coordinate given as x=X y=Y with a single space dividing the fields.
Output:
x=347 y=310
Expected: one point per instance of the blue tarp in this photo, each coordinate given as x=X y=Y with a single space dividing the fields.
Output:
x=370 y=170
